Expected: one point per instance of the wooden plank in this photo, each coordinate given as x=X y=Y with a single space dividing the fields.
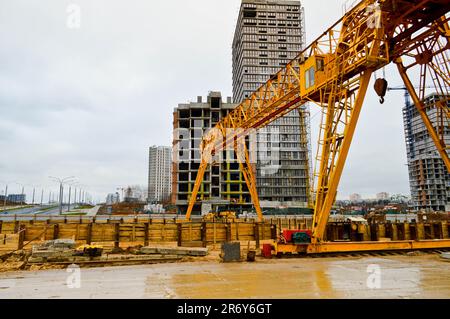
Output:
x=203 y=234
x=89 y=234
x=116 y=235
x=228 y=232
x=179 y=234
x=256 y=234
x=214 y=234
x=9 y=242
x=55 y=231
x=407 y=232
x=22 y=230
x=146 y=234
x=444 y=226
x=394 y=232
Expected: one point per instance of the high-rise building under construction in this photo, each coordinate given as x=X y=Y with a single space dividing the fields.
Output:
x=269 y=34
x=223 y=184
x=428 y=175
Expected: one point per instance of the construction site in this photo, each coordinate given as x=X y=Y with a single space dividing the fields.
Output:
x=214 y=179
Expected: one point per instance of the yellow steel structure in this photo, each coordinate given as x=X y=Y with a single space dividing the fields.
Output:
x=342 y=247
x=334 y=73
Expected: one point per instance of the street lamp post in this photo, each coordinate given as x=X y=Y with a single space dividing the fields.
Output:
x=61 y=198
x=68 y=206
x=6 y=195
x=70 y=192
x=23 y=190
x=6 y=191
x=61 y=182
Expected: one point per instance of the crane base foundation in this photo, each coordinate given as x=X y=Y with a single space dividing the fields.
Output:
x=369 y=246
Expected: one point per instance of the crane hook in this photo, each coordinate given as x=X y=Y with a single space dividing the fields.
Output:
x=380 y=87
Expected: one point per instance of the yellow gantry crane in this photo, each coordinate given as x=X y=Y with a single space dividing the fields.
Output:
x=334 y=73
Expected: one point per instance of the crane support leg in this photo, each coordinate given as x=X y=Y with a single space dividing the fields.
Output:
x=198 y=183
x=335 y=150
x=247 y=171
x=440 y=145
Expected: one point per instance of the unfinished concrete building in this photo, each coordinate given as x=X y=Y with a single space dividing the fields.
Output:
x=428 y=176
x=223 y=183
x=268 y=35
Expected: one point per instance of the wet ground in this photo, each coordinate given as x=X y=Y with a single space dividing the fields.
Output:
x=368 y=277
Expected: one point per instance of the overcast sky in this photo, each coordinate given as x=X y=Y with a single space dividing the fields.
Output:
x=89 y=101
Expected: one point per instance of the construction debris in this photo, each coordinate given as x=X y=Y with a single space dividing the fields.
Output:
x=178 y=251
x=115 y=260
x=53 y=249
x=445 y=256
x=57 y=244
x=231 y=252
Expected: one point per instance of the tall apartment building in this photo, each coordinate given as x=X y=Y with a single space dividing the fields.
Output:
x=16 y=198
x=268 y=35
x=112 y=198
x=428 y=175
x=223 y=183
x=159 y=173
x=383 y=196
x=355 y=197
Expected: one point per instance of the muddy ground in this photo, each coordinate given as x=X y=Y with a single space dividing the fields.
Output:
x=423 y=276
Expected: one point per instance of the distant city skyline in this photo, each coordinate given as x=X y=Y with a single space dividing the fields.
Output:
x=88 y=101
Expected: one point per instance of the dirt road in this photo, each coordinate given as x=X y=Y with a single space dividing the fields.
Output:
x=369 y=277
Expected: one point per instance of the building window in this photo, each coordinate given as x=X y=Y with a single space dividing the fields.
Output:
x=249 y=13
x=309 y=77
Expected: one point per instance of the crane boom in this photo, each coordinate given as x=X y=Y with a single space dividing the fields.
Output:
x=334 y=73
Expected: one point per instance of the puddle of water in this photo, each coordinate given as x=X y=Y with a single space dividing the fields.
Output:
x=400 y=277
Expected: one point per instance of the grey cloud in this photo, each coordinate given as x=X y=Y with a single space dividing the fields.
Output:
x=89 y=102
